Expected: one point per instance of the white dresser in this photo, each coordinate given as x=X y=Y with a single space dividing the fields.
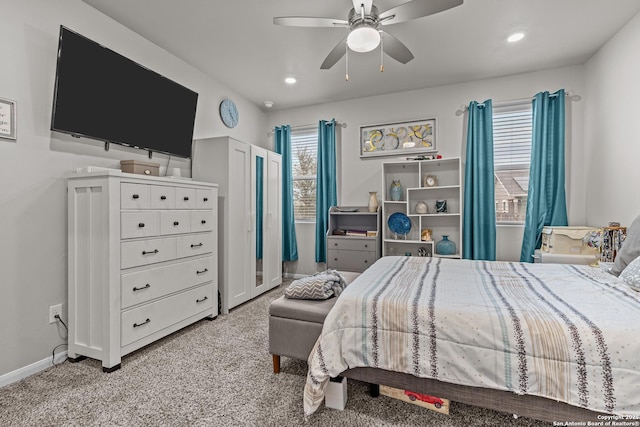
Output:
x=142 y=261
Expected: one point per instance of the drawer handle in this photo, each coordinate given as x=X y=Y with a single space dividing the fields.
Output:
x=203 y=221
x=147 y=286
x=366 y=246
x=206 y=199
x=335 y=244
x=141 y=225
x=335 y=259
x=176 y=223
x=365 y=261
x=155 y=251
x=163 y=197
x=135 y=325
x=186 y=199
x=203 y=299
x=196 y=246
x=202 y=272
x=135 y=196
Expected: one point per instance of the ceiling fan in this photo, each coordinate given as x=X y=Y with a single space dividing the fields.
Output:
x=364 y=21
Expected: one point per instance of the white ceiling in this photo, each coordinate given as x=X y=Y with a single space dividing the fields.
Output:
x=236 y=43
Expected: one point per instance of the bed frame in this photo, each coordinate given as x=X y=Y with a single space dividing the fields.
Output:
x=535 y=407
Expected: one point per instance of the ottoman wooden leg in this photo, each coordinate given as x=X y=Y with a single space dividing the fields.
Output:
x=276 y=364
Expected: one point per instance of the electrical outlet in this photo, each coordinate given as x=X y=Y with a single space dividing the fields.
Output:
x=53 y=310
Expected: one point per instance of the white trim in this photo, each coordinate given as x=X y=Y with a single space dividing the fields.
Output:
x=34 y=368
x=294 y=275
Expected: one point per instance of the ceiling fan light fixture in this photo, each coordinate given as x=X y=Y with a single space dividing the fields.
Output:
x=363 y=39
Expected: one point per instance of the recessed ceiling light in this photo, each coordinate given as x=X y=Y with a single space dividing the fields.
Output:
x=268 y=104
x=515 y=37
x=290 y=80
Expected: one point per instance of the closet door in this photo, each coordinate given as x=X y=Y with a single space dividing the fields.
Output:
x=260 y=253
x=238 y=234
x=274 y=220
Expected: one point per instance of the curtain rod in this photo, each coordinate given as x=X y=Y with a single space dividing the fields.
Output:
x=338 y=123
x=572 y=96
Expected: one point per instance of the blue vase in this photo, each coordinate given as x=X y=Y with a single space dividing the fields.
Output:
x=445 y=246
x=396 y=190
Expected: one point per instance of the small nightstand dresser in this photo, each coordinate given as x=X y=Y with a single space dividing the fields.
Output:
x=353 y=239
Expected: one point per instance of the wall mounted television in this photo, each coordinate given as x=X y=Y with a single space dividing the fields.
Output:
x=103 y=95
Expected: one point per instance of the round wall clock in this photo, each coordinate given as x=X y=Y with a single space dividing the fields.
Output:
x=229 y=113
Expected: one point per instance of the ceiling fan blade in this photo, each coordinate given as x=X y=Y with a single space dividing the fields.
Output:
x=357 y=4
x=306 y=21
x=416 y=9
x=335 y=55
x=396 y=49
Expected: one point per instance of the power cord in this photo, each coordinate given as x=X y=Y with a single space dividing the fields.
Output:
x=57 y=316
x=53 y=352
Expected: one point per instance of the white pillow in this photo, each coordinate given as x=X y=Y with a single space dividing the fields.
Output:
x=631 y=274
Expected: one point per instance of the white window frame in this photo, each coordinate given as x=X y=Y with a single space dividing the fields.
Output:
x=512 y=158
x=311 y=135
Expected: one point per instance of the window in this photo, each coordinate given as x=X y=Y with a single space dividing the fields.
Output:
x=511 y=156
x=304 y=150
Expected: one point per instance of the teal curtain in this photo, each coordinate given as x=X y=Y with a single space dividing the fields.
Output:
x=479 y=219
x=259 y=197
x=546 y=199
x=326 y=194
x=282 y=144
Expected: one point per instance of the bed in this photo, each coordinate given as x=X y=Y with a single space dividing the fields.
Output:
x=548 y=341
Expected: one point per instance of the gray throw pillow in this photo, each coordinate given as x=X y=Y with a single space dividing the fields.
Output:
x=631 y=274
x=630 y=249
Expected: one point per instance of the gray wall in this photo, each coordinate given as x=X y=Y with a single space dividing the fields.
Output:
x=33 y=214
x=359 y=176
x=612 y=147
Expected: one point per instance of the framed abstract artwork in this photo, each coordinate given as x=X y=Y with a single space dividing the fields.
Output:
x=397 y=139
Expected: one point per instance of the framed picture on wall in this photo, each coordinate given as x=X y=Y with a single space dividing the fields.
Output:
x=7 y=119
x=397 y=139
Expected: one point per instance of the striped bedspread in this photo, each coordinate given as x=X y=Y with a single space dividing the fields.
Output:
x=568 y=333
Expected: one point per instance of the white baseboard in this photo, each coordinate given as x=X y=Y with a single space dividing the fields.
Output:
x=294 y=276
x=34 y=368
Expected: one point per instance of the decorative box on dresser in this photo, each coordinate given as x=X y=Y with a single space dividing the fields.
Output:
x=142 y=261
x=353 y=238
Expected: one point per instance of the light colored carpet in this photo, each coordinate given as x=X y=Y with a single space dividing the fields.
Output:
x=212 y=373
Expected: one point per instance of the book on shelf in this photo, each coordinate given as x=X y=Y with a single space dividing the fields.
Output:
x=372 y=233
x=359 y=233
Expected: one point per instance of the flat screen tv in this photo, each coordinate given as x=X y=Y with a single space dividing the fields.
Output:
x=102 y=95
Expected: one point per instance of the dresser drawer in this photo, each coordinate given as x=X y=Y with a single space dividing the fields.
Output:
x=195 y=244
x=145 y=320
x=163 y=197
x=143 y=286
x=202 y=221
x=204 y=199
x=185 y=198
x=143 y=252
x=134 y=196
x=349 y=260
x=351 y=243
x=139 y=224
x=175 y=222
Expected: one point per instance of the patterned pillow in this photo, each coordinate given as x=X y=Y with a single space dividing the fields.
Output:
x=319 y=286
x=630 y=249
x=631 y=274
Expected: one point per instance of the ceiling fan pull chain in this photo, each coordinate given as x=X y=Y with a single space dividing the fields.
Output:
x=346 y=61
x=381 y=52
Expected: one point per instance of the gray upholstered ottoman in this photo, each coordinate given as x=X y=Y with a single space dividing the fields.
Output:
x=295 y=325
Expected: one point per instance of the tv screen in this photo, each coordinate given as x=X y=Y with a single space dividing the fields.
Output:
x=100 y=94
